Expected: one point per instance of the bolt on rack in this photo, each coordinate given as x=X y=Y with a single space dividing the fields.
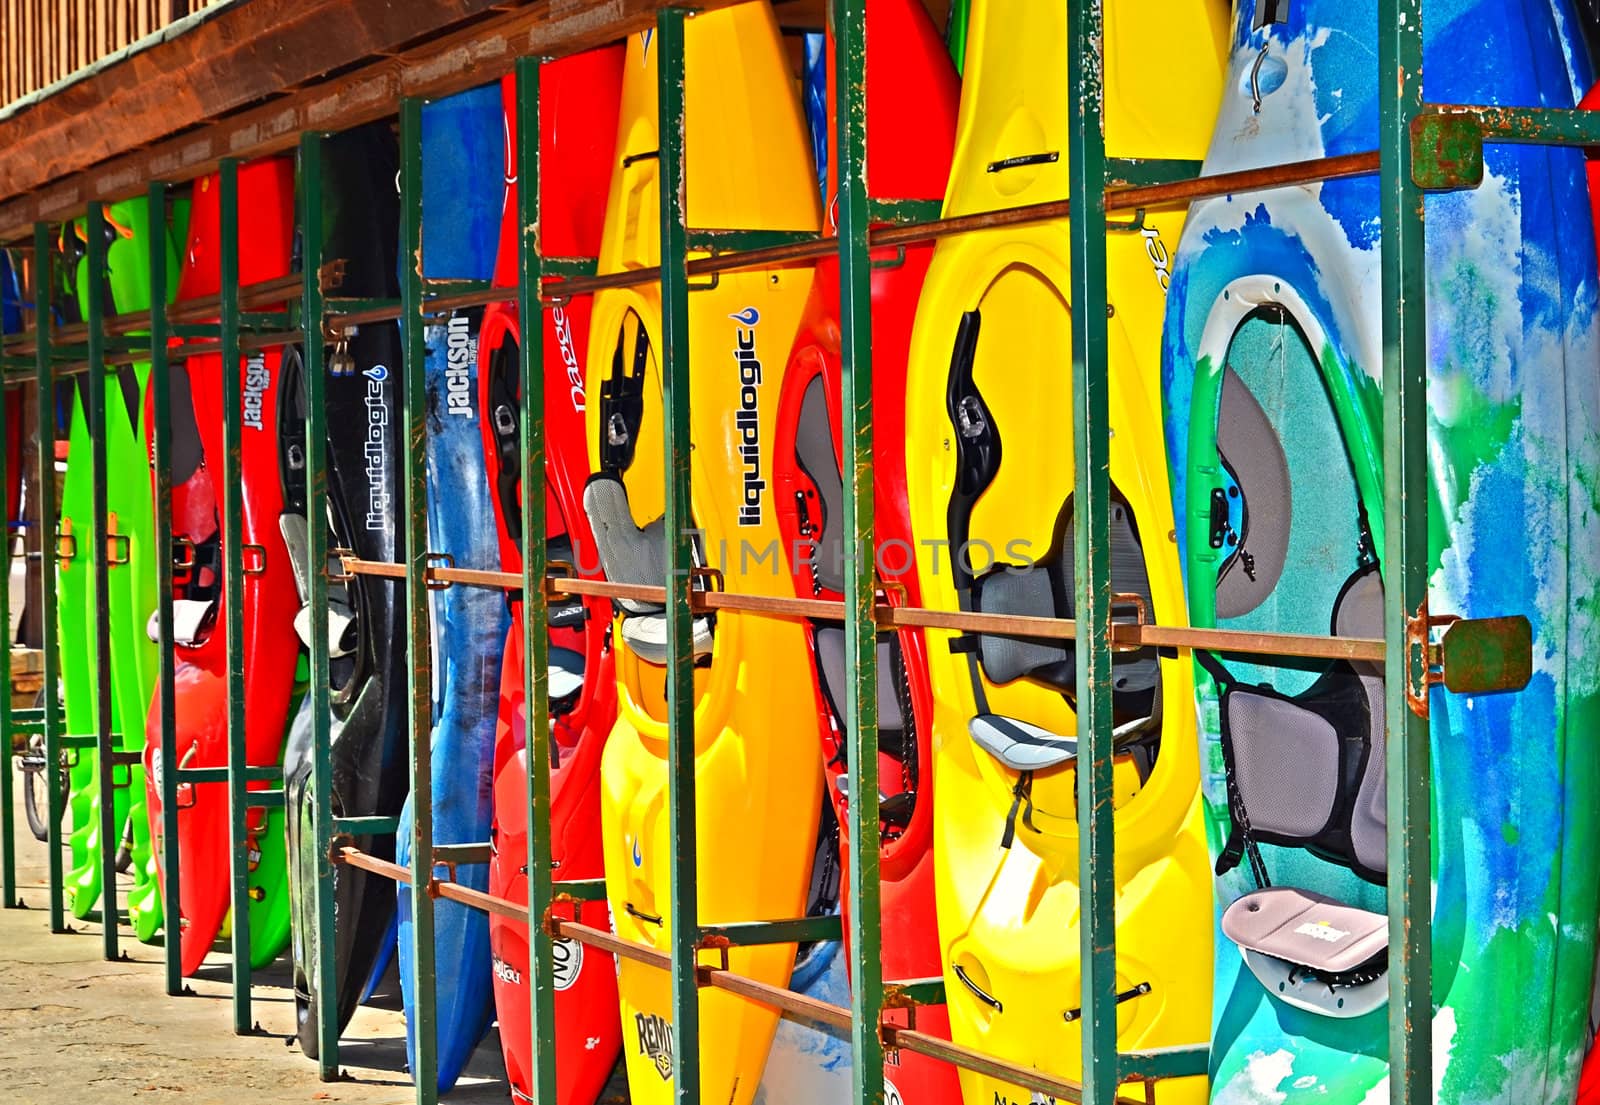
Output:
x=1422 y=146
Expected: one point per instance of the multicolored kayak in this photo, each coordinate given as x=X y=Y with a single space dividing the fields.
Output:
x=990 y=480
x=462 y=181
x=578 y=103
x=131 y=577
x=911 y=99
x=369 y=727
x=759 y=781
x=1272 y=376
x=11 y=323
x=200 y=686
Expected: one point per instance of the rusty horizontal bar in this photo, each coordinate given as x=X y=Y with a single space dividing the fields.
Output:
x=1134 y=197
x=791 y=1005
x=1239 y=641
x=1029 y=1078
x=889 y=616
x=352 y=856
x=607 y=942
x=431 y=305
x=477 y=899
x=267 y=293
x=247 y=342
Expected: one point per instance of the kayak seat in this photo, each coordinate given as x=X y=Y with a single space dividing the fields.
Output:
x=189 y=618
x=896 y=729
x=1312 y=951
x=1251 y=514
x=1045 y=588
x=1308 y=771
x=814 y=450
x=341 y=615
x=631 y=554
x=1021 y=745
x=566 y=673
x=831 y=667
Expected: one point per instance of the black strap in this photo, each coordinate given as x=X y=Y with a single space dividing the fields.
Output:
x=1021 y=800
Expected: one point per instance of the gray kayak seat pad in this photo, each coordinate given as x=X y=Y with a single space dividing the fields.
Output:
x=633 y=554
x=831 y=667
x=1359 y=613
x=646 y=634
x=1021 y=745
x=1024 y=746
x=814 y=449
x=1306 y=928
x=1249 y=447
x=1045 y=589
x=1308 y=771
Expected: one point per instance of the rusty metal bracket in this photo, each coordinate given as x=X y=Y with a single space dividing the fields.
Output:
x=183 y=559
x=258 y=564
x=1132 y=226
x=718 y=944
x=342 y=557
x=330 y=277
x=1446 y=151
x=432 y=560
x=1472 y=655
x=118 y=549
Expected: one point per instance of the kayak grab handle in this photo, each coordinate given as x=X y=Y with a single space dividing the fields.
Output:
x=1138 y=991
x=979 y=992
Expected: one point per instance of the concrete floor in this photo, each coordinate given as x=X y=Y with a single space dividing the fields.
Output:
x=77 y=1030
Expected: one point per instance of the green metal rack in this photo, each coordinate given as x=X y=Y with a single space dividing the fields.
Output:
x=1431 y=144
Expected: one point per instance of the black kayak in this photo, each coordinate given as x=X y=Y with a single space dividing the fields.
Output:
x=369 y=736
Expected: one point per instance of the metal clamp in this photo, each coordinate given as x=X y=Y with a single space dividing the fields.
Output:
x=340 y=556
x=257 y=566
x=712 y=576
x=1472 y=655
x=433 y=560
x=183 y=559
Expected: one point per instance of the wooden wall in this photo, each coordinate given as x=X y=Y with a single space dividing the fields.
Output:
x=42 y=41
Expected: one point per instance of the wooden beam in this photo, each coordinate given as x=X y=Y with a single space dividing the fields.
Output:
x=442 y=65
x=244 y=54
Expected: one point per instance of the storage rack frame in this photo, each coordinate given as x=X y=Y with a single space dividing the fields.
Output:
x=1421 y=146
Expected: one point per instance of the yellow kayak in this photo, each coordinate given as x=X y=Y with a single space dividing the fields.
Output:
x=990 y=470
x=759 y=776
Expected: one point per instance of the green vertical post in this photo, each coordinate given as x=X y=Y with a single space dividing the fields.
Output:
x=233 y=594
x=316 y=460
x=105 y=748
x=1091 y=553
x=1405 y=556
x=535 y=607
x=49 y=518
x=419 y=681
x=684 y=867
x=861 y=627
x=8 y=844
x=161 y=458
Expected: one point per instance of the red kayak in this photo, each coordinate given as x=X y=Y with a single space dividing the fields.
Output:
x=912 y=94
x=578 y=106
x=268 y=596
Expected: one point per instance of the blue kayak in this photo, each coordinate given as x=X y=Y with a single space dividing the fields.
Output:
x=463 y=183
